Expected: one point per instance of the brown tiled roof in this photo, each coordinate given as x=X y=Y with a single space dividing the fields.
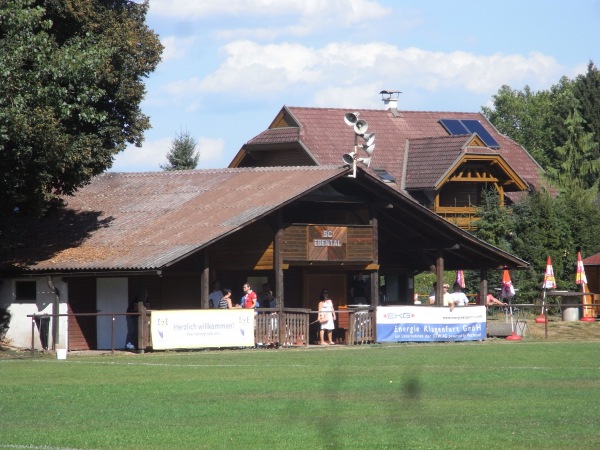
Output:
x=593 y=260
x=140 y=221
x=430 y=158
x=326 y=136
x=277 y=136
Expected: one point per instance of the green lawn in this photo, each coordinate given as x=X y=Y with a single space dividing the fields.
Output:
x=493 y=395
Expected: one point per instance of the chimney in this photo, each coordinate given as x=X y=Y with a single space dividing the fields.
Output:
x=390 y=101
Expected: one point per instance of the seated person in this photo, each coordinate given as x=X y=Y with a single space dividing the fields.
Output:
x=490 y=300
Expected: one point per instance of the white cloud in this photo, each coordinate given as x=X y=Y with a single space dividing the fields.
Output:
x=211 y=151
x=153 y=154
x=259 y=69
x=175 y=48
x=149 y=157
x=345 y=12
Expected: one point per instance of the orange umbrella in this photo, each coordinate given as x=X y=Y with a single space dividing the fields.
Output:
x=549 y=281
x=580 y=278
x=589 y=312
x=507 y=290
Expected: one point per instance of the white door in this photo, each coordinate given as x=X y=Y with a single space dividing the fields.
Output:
x=111 y=297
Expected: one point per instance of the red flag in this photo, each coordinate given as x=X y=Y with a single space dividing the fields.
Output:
x=580 y=278
x=549 y=281
x=507 y=290
x=460 y=278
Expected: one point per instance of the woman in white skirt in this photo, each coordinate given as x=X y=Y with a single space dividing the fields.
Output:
x=326 y=319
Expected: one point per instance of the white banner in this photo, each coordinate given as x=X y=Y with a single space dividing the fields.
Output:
x=430 y=323
x=202 y=328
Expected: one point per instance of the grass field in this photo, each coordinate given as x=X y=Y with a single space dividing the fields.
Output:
x=493 y=394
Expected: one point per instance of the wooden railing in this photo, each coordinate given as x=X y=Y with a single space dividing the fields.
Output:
x=286 y=327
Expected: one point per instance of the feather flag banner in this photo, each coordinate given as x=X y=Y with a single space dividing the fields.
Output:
x=460 y=278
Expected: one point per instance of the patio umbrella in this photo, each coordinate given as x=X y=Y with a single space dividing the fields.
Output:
x=549 y=283
x=460 y=278
x=589 y=314
x=580 y=278
x=508 y=292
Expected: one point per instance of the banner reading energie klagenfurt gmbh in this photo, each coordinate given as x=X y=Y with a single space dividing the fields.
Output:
x=430 y=323
x=202 y=328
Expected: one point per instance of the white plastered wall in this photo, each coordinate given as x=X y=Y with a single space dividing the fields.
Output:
x=19 y=331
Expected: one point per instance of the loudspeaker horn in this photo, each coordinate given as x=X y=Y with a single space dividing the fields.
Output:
x=365 y=161
x=369 y=138
x=361 y=127
x=351 y=118
x=369 y=148
x=348 y=158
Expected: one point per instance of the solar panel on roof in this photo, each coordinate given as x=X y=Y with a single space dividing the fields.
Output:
x=454 y=126
x=469 y=126
x=474 y=126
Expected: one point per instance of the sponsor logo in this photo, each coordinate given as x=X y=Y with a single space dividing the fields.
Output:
x=405 y=315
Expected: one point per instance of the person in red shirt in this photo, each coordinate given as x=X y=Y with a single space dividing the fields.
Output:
x=249 y=297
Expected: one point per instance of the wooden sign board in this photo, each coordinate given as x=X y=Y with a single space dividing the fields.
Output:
x=327 y=243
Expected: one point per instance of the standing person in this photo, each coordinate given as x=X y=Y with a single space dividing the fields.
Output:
x=266 y=298
x=458 y=297
x=447 y=299
x=432 y=293
x=326 y=319
x=215 y=295
x=249 y=299
x=358 y=290
x=225 y=301
x=132 y=325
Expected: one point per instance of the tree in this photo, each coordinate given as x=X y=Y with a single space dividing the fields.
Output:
x=495 y=222
x=528 y=118
x=72 y=82
x=182 y=154
x=587 y=91
x=578 y=164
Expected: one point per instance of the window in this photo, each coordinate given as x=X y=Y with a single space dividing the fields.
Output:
x=26 y=291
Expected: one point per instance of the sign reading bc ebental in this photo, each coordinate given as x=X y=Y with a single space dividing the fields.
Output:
x=326 y=243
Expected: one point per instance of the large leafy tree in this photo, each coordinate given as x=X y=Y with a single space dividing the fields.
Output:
x=182 y=154
x=72 y=82
x=528 y=118
x=543 y=225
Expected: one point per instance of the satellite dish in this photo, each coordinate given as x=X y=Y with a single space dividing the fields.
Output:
x=351 y=118
x=361 y=127
x=348 y=158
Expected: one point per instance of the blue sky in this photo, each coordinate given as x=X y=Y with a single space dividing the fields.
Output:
x=230 y=65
